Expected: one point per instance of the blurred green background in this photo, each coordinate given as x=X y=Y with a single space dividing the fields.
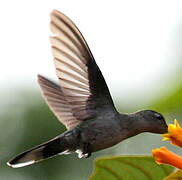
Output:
x=26 y=121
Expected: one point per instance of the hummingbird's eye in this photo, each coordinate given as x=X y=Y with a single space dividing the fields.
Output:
x=158 y=116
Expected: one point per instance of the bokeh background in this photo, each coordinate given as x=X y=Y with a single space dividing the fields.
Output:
x=138 y=47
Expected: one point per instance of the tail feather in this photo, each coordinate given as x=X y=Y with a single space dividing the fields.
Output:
x=51 y=148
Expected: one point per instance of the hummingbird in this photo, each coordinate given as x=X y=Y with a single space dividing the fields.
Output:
x=82 y=102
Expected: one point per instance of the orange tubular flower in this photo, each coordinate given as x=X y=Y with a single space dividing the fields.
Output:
x=164 y=156
x=174 y=134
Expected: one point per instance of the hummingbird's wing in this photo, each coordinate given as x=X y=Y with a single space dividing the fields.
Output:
x=55 y=99
x=80 y=78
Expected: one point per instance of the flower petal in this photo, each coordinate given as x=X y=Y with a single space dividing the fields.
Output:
x=164 y=156
x=177 y=124
x=174 y=134
x=166 y=139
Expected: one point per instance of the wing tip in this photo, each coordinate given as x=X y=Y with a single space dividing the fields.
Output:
x=56 y=12
x=40 y=78
x=43 y=80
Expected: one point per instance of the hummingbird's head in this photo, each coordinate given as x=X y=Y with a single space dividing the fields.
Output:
x=153 y=122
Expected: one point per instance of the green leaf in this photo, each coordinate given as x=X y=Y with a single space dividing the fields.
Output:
x=175 y=176
x=129 y=168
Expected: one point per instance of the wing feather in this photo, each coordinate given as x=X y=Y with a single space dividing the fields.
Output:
x=80 y=78
x=55 y=99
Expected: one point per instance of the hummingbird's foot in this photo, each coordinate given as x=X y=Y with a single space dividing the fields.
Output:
x=88 y=155
x=81 y=154
x=84 y=152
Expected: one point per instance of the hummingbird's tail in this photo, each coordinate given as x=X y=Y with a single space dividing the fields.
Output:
x=56 y=146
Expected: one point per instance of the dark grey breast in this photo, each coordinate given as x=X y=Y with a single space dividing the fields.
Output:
x=82 y=92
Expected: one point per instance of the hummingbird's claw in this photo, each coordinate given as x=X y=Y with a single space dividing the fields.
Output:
x=82 y=154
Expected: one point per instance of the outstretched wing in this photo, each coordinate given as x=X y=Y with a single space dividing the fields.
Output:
x=55 y=99
x=80 y=78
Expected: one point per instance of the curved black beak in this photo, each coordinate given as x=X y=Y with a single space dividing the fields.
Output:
x=164 y=128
